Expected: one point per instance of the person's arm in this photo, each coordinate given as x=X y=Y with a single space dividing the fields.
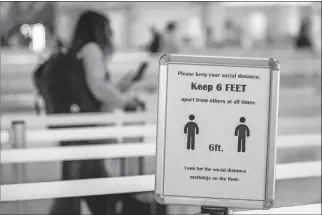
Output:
x=197 y=129
x=104 y=91
x=125 y=83
x=185 y=128
x=236 y=130
x=248 y=132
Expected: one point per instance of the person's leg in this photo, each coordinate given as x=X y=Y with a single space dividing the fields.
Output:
x=71 y=206
x=66 y=206
x=103 y=204
x=244 y=144
x=193 y=142
x=188 y=141
x=239 y=144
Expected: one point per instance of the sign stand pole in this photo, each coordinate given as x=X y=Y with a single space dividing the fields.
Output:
x=215 y=210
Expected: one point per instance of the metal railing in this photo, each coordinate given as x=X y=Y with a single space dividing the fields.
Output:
x=19 y=136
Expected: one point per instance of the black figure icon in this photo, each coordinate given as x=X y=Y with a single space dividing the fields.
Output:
x=192 y=129
x=242 y=131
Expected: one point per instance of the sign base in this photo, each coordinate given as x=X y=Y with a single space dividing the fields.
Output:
x=215 y=210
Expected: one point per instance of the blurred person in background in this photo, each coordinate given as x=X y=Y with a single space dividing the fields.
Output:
x=92 y=44
x=306 y=41
x=210 y=36
x=303 y=40
x=169 y=41
x=154 y=45
x=165 y=42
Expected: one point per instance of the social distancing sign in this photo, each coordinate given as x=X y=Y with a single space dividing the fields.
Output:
x=216 y=131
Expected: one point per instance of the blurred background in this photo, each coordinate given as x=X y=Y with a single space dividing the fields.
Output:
x=30 y=31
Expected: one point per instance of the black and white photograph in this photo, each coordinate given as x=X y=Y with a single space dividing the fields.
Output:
x=160 y=107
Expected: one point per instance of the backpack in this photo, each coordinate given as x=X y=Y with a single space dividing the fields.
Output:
x=61 y=81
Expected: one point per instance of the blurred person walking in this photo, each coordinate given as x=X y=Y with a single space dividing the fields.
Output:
x=304 y=39
x=169 y=41
x=77 y=81
x=165 y=42
x=306 y=42
x=154 y=45
x=161 y=43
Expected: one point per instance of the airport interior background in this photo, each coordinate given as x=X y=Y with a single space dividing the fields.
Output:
x=30 y=30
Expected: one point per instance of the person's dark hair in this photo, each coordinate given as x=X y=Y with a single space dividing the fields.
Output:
x=92 y=27
x=171 y=26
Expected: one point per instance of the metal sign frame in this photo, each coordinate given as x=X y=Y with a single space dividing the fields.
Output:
x=274 y=69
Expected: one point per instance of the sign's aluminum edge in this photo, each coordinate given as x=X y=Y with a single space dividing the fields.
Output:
x=217 y=60
x=272 y=132
x=160 y=134
x=274 y=68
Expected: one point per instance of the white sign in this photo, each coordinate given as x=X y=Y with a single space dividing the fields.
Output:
x=216 y=131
